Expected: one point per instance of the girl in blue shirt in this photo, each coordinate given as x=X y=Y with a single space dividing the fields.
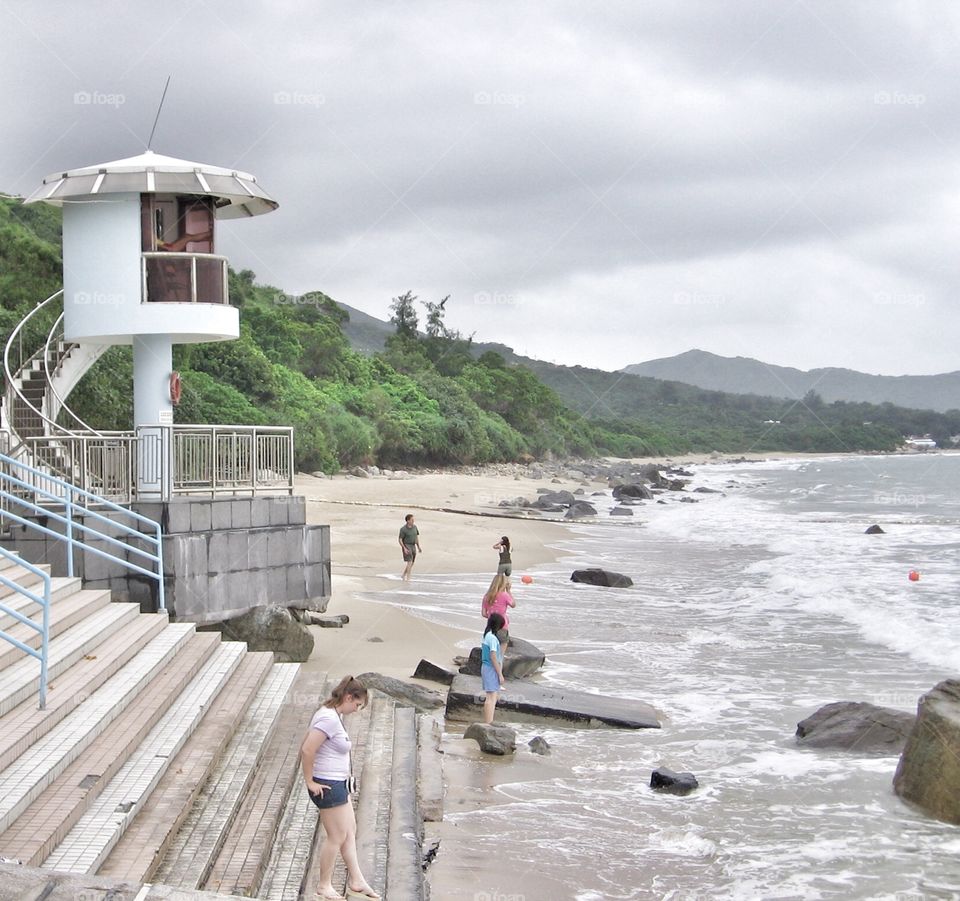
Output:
x=491 y=669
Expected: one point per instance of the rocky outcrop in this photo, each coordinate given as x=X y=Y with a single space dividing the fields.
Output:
x=270 y=629
x=856 y=726
x=404 y=693
x=601 y=577
x=521 y=659
x=671 y=783
x=928 y=774
x=640 y=491
x=499 y=740
x=578 y=509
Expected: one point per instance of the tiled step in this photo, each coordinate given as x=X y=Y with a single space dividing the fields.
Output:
x=373 y=807
x=15 y=600
x=68 y=611
x=196 y=768
x=50 y=817
x=34 y=770
x=22 y=679
x=239 y=867
x=404 y=853
x=287 y=875
x=26 y=723
x=89 y=842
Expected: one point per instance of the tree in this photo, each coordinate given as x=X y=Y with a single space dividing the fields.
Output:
x=435 y=313
x=403 y=314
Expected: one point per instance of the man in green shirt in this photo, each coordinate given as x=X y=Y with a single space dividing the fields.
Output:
x=409 y=544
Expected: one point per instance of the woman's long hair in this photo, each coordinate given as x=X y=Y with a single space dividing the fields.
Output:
x=499 y=583
x=347 y=687
x=495 y=622
x=505 y=543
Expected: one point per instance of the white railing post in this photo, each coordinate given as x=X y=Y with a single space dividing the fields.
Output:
x=68 y=497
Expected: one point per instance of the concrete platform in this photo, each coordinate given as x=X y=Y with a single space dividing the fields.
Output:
x=528 y=700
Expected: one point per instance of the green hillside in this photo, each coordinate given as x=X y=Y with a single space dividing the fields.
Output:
x=426 y=397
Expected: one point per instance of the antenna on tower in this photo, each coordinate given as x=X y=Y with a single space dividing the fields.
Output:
x=157 y=117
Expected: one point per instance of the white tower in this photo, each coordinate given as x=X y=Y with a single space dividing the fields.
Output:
x=139 y=265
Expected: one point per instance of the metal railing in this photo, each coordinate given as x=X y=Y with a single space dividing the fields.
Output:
x=23 y=487
x=43 y=627
x=170 y=277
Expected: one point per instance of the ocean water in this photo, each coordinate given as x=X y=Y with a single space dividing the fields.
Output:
x=750 y=610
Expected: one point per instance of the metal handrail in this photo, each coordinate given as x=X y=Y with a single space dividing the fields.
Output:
x=43 y=627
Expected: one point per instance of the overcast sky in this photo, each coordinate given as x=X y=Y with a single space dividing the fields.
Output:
x=598 y=183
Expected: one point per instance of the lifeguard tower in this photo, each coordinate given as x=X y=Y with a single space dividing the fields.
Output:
x=140 y=268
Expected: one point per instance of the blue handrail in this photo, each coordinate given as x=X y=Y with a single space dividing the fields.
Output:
x=73 y=500
x=43 y=628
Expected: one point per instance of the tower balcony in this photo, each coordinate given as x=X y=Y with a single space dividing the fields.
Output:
x=168 y=277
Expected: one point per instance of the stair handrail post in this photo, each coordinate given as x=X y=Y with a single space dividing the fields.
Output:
x=68 y=513
x=45 y=641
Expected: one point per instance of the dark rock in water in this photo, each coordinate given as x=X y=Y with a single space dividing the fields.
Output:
x=580 y=508
x=632 y=491
x=679 y=471
x=928 y=774
x=564 y=498
x=702 y=490
x=621 y=511
x=492 y=739
x=856 y=726
x=539 y=745
x=431 y=672
x=675 y=484
x=601 y=577
x=875 y=530
x=271 y=629
x=579 y=491
x=671 y=783
x=599 y=494
x=521 y=659
x=630 y=502
x=689 y=500
x=651 y=473
x=406 y=694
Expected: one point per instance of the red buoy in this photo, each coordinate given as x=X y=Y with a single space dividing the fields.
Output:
x=526 y=579
x=913 y=576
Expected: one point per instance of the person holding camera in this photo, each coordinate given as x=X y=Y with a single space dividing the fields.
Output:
x=505 y=566
x=326 y=764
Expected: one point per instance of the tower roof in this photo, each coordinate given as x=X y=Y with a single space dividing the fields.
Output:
x=236 y=194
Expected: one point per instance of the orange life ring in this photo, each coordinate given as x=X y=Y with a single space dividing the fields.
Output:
x=176 y=388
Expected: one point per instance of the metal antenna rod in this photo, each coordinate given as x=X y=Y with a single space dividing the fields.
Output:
x=160 y=107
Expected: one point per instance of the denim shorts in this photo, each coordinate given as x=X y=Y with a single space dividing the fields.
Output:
x=488 y=676
x=335 y=796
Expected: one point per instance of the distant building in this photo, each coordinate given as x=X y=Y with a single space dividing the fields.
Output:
x=920 y=443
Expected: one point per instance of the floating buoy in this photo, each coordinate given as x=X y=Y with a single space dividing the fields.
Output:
x=526 y=579
x=913 y=575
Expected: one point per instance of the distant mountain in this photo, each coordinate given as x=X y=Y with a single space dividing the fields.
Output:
x=742 y=375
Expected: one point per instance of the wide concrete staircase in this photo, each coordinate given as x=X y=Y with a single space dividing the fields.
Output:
x=166 y=756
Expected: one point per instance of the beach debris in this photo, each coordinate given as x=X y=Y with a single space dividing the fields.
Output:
x=539 y=745
x=874 y=530
x=578 y=509
x=271 y=629
x=856 y=726
x=521 y=659
x=602 y=577
x=324 y=621
x=431 y=672
x=499 y=740
x=914 y=575
x=928 y=775
x=375 y=639
x=533 y=700
x=671 y=783
x=405 y=694
x=621 y=511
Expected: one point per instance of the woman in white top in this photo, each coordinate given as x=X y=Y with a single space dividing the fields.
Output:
x=325 y=761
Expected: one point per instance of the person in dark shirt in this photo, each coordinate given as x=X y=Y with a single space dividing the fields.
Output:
x=505 y=567
x=409 y=545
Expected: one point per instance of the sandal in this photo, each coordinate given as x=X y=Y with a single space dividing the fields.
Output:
x=330 y=895
x=365 y=892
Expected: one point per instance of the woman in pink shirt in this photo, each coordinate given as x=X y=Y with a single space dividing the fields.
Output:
x=497 y=600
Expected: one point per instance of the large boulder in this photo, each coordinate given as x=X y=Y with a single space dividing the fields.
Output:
x=640 y=491
x=551 y=498
x=404 y=693
x=521 y=659
x=271 y=629
x=578 y=509
x=601 y=577
x=928 y=774
x=492 y=739
x=671 y=783
x=432 y=672
x=856 y=726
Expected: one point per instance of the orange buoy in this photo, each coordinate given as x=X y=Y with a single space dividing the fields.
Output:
x=913 y=576
x=526 y=579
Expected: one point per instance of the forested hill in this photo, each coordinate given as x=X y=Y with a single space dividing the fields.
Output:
x=429 y=396
x=743 y=375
